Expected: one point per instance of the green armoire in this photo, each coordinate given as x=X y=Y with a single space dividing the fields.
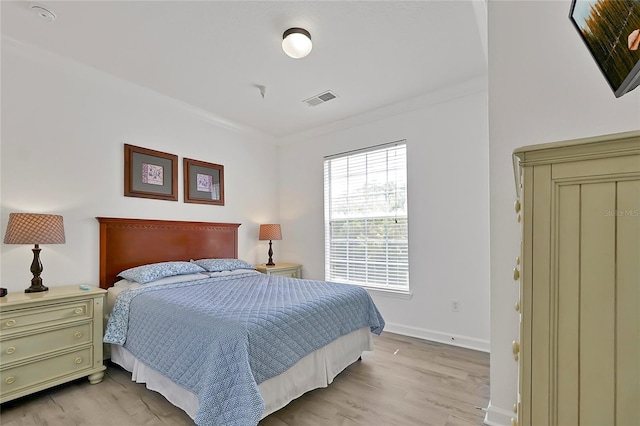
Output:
x=579 y=275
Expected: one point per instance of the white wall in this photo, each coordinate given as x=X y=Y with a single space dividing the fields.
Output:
x=543 y=87
x=447 y=148
x=63 y=130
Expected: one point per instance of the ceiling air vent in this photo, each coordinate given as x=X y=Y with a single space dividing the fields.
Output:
x=321 y=98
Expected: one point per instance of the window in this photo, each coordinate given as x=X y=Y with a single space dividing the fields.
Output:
x=365 y=199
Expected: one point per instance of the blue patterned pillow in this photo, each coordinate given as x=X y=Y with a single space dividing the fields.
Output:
x=217 y=265
x=154 y=271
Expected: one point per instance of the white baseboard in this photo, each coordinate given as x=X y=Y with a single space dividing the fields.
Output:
x=436 y=336
x=498 y=416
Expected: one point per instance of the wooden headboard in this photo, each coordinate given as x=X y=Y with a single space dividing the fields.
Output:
x=125 y=243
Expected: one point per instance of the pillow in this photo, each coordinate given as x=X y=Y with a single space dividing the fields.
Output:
x=166 y=280
x=230 y=273
x=154 y=271
x=216 y=265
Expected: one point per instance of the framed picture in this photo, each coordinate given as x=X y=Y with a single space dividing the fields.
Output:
x=150 y=174
x=203 y=182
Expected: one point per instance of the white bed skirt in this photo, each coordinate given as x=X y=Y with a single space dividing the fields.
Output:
x=316 y=370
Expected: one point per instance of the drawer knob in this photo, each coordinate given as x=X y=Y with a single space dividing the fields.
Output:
x=78 y=360
x=78 y=311
x=516 y=274
x=517 y=206
x=515 y=408
x=517 y=306
x=514 y=422
x=77 y=334
x=10 y=350
x=10 y=380
x=10 y=323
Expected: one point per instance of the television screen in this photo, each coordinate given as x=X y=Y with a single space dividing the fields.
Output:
x=611 y=32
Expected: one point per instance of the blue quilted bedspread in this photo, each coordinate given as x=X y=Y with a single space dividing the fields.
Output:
x=221 y=337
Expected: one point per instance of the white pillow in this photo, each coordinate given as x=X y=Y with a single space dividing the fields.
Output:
x=227 y=273
x=167 y=280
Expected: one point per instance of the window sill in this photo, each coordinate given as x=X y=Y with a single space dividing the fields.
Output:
x=397 y=294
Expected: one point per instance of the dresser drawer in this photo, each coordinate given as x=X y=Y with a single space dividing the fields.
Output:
x=17 y=348
x=24 y=319
x=289 y=270
x=36 y=373
x=290 y=273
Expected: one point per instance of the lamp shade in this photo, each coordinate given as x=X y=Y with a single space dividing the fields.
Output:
x=296 y=42
x=270 y=231
x=33 y=228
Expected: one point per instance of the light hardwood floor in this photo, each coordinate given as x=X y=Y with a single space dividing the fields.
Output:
x=403 y=382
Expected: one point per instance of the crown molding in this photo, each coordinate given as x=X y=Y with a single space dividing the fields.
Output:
x=65 y=64
x=445 y=94
x=50 y=59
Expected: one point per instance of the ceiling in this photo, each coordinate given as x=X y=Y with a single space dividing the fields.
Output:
x=212 y=55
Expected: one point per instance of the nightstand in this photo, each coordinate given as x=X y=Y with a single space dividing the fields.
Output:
x=49 y=338
x=291 y=270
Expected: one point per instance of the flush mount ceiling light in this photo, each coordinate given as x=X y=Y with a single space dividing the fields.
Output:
x=296 y=42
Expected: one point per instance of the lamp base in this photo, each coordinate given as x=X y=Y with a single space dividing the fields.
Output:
x=36 y=270
x=36 y=288
x=270 y=262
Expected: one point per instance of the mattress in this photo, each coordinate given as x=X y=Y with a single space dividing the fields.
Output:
x=316 y=370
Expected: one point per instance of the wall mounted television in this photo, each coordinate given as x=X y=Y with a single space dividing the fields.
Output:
x=611 y=31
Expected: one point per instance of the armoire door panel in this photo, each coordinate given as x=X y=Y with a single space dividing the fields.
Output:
x=597 y=304
x=568 y=303
x=540 y=319
x=627 y=215
x=596 y=167
x=526 y=301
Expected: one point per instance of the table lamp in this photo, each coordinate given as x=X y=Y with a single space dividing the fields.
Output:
x=33 y=228
x=270 y=231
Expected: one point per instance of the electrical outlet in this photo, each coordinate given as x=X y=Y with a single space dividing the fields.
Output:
x=455 y=305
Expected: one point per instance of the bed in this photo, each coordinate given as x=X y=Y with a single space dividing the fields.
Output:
x=239 y=344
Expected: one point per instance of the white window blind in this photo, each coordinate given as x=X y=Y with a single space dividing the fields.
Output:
x=366 y=227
